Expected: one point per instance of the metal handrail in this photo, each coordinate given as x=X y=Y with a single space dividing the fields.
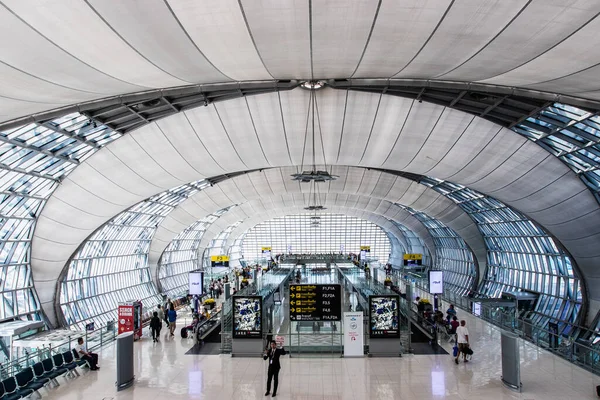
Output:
x=563 y=346
x=94 y=339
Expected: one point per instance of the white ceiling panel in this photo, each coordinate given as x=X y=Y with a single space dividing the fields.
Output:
x=232 y=51
x=97 y=45
x=240 y=131
x=281 y=32
x=360 y=115
x=187 y=141
x=413 y=133
x=50 y=62
x=340 y=30
x=208 y=127
x=536 y=30
x=439 y=142
x=467 y=27
x=269 y=126
x=569 y=56
x=161 y=148
x=151 y=28
x=401 y=29
x=391 y=116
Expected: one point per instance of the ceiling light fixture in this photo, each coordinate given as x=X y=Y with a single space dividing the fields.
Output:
x=314 y=175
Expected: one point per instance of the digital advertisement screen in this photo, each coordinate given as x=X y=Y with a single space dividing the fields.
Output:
x=247 y=317
x=436 y=282
x=384 y=316
x=196 y=283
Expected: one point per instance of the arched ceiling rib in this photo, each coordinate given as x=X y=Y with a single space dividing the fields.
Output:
x=357 y=188
x=177 y=42
x=405 y=135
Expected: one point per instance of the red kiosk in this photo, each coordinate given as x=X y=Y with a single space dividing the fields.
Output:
x=130 y=318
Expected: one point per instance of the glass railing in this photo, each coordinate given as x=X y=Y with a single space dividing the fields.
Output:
x=368 y=286
x=578 y=352
x=93 y=340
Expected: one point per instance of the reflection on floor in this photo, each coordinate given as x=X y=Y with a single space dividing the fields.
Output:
x=206 y=348
x=163 y=371
x=426 y=348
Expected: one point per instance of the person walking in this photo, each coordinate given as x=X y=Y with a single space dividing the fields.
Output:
x=273 y=354
x=172 y=317
x=462 y=338
x=155 y=326
x=161 y=313
x=91 y=358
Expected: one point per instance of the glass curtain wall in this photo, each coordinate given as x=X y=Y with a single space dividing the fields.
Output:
x=334 y=234
x=216 y=247
x=521 y=255
x=181 y=256
x=452 y=255
x=416 y=246
x=571 y=134
x=34 y=158
x=112 y=266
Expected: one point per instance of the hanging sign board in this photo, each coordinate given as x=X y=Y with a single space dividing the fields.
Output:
x=266 y=252
x=413 y=259
x=219 y=261
x=195 y=280
x=436 y=282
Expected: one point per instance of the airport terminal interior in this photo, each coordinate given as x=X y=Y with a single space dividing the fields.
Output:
x=329 y=182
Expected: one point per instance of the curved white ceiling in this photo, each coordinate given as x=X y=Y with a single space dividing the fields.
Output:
x=60 y=53
x=356 y=188
x=358 y=129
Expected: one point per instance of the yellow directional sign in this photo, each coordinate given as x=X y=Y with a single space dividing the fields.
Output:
x=315 y=302
x=219 y=258
x=409 y=256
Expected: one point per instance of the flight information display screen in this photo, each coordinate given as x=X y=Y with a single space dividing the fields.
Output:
x=384 y=316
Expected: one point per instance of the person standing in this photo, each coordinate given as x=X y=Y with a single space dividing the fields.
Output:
x=91 y=358
x=155 y=325
x=172 y=317
x=462 y=338
x=454 y=324
x=161 y=313
x=273 y=355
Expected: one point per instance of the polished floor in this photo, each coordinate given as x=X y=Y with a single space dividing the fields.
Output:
x=164 y=372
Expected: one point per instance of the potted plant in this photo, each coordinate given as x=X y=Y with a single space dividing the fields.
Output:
x=209 y=304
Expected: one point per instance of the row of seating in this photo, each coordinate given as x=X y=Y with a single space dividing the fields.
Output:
x=31 y=379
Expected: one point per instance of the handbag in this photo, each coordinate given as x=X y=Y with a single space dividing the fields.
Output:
x=455 y=350
x=468 y=351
